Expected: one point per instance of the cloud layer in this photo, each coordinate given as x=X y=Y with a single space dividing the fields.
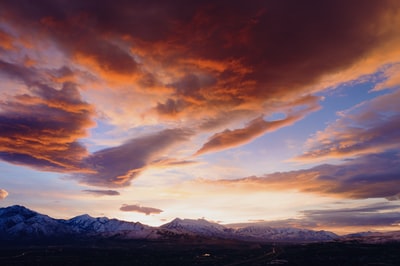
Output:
x=188 y=70
x=100 y=193
x=117 y=166
x=368 y=176
x=41 y=128
x=374 y=215
x=366 y=217
x=206 y=59
x=257 y=127
x=366 y=137
x=140 y=209
x=370 y=127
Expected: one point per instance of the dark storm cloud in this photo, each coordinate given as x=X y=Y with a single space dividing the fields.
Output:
x=18 y=72
x=141 y=209
x=224 y=55
x=117 y=166
x=101 y=192
x=6 y=41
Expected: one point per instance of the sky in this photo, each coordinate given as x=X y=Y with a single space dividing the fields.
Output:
x=285 y=113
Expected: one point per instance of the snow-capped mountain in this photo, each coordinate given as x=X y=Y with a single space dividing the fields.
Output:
x=87 y=225
x=254 y=233
x=197 y=227
x=20 y=223
x=262 y=232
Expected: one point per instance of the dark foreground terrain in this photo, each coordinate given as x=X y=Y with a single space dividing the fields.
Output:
x=200 y=253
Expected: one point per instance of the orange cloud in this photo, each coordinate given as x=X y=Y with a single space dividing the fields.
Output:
x=369 y=176
x=6 y=41
x=42 y=129
x=392 y=78
x=256 y=128
x=202 y=65
x=210 y=58
x=3 y=194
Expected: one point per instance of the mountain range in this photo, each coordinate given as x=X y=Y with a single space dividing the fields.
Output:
x=18 y=223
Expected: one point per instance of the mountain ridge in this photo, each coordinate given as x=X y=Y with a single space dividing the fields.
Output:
x=19 y=222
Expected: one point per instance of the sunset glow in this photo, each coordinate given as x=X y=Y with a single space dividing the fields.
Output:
x=281 y=112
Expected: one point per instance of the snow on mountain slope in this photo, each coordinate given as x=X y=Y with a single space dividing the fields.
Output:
x=261 y=232
x=200 y=227
x=85 y=224
x=18 y=221
x=255 y=232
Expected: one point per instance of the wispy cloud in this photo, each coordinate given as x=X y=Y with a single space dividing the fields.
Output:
x=391 y=79
x=371 y=215
x=101 y=192
x=141 y=209
x=117 y=166
x=366 y=217
x=369 y=176
x=3 y=194
x=370 y=127
x=257 y=127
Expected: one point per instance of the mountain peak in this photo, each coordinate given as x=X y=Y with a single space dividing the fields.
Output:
x=83 y=217
x=199 y=227
x=191 y=221
x=17 y=210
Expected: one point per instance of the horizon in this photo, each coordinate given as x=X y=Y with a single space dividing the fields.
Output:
x=230 y=225
x=284 y=113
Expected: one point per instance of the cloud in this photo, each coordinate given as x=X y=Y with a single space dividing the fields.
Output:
x=3 y=194
x=41 y=127
x=370 y=215
x=391 y=78
x=368 y=134
x=141 y=209
x=366 y=217
x=256 y=128
x=101 y=192
x=117 y=166
x=202 y=66
x=196 y=61
x=368 y=176
x=370 y=127
x=6 y=41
